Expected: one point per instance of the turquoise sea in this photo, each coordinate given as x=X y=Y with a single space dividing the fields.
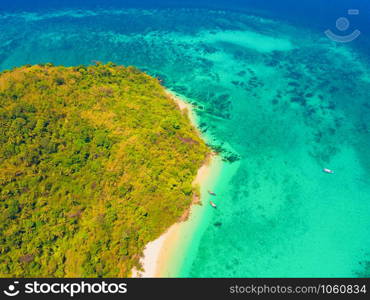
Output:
x=276 y=96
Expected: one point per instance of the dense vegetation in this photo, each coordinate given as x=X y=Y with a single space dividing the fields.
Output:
x=95 y=162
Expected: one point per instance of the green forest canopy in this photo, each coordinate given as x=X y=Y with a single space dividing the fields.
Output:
x=95 y=162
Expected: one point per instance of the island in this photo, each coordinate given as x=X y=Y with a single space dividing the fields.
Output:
x=95 y=162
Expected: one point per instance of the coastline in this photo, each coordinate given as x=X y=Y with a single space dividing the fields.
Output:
x=162 y=257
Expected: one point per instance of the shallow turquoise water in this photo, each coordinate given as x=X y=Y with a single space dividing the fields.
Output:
x=285 y=100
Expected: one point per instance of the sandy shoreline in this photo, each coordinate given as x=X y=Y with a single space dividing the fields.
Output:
x=184 y=106
x=157 y=253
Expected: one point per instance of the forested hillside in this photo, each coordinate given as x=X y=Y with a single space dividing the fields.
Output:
x=95 y=162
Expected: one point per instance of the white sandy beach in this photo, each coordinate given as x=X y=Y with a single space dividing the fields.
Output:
x=157 y=253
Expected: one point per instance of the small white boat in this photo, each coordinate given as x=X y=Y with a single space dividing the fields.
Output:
x=211 y=193
x=328 y=171
x=213 y=204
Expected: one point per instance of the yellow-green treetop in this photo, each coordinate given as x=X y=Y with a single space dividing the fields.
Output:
x=95 y=162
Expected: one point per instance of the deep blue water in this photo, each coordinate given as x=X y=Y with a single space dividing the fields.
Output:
x=271 y=89
x=316 y=13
